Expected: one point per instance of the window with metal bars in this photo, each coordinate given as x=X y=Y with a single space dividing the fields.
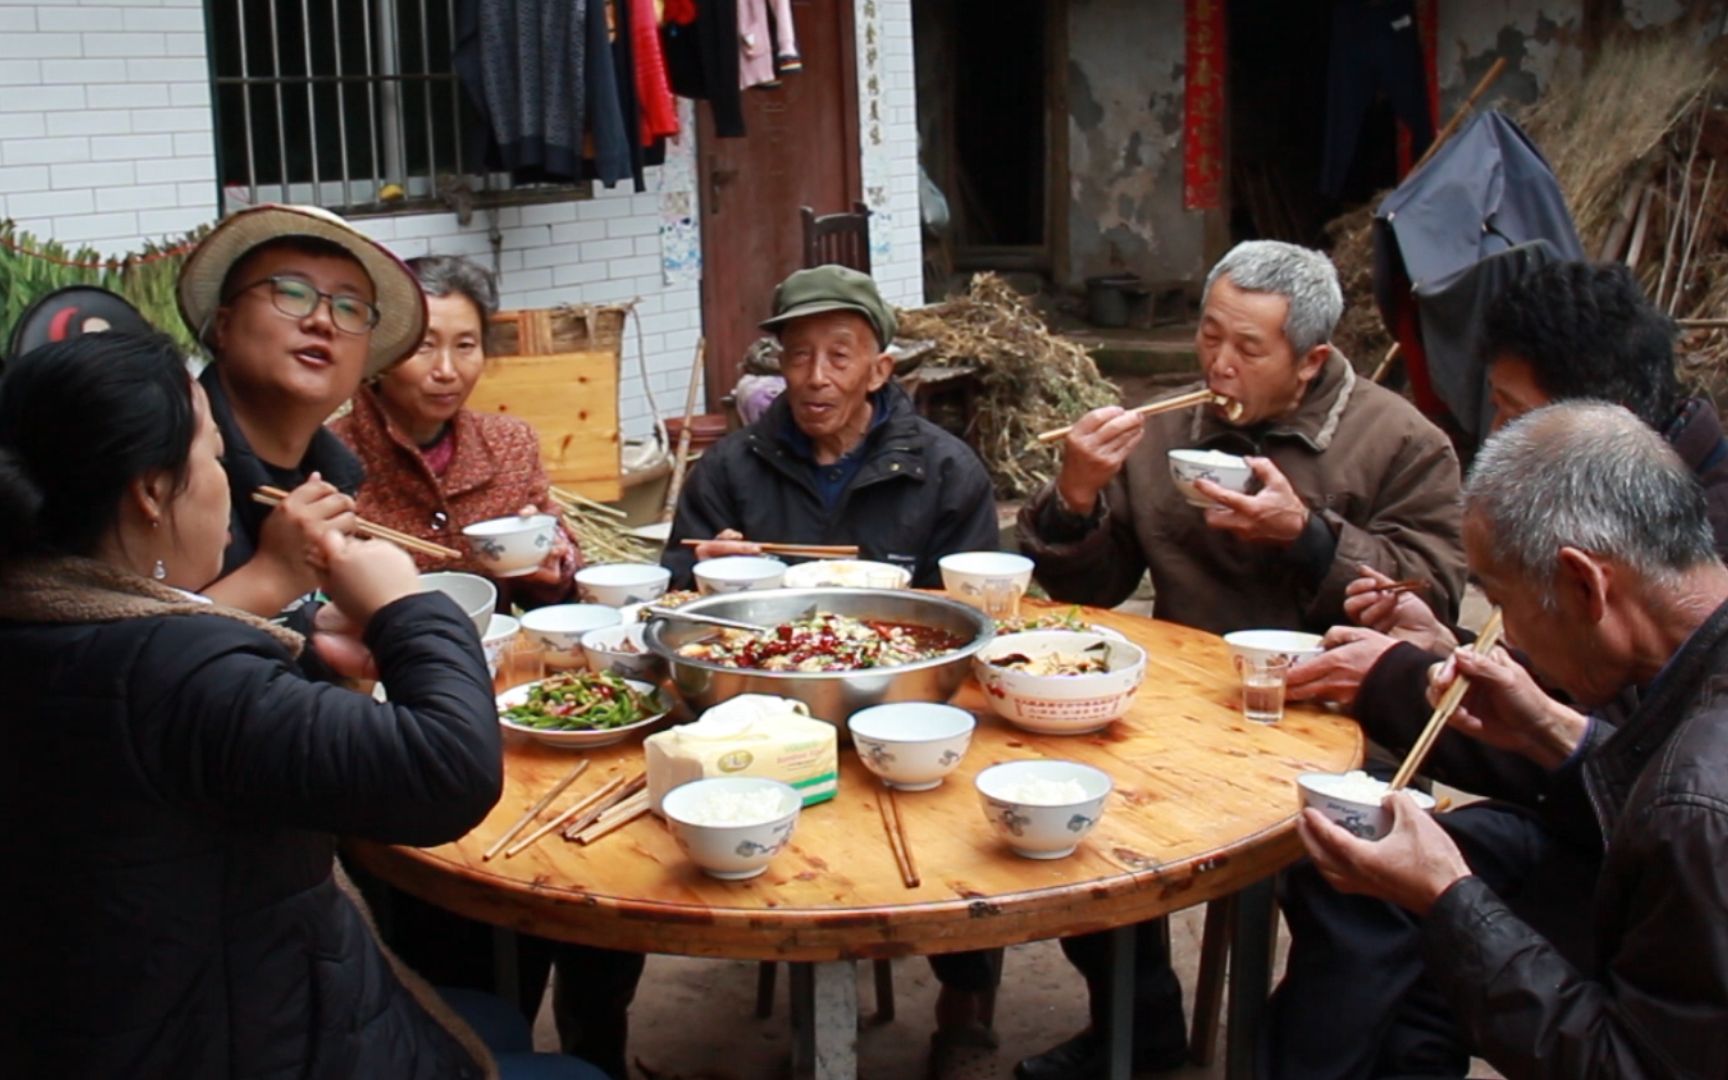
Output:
x=351 y=105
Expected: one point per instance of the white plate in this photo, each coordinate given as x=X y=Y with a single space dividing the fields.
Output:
x=579 y=740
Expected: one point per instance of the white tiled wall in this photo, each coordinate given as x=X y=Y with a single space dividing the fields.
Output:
x=106 y=139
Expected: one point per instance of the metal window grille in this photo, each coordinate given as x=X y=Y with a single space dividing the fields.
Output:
x=348 y=104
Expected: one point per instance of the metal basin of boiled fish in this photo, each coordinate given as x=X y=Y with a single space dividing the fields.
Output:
x=830 y=695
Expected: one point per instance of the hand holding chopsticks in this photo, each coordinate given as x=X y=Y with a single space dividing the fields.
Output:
x=271 y=496
x=1231 y=407
x=1448 y=705
x=797 y=551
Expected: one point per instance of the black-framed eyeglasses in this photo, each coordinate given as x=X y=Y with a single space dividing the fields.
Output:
x=297 y=299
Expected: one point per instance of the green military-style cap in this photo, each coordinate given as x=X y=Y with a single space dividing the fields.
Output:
x=831 y=288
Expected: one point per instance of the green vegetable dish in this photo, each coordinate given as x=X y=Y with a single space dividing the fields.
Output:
x=582 y=701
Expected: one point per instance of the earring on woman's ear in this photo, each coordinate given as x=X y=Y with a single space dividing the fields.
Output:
x=159 y=571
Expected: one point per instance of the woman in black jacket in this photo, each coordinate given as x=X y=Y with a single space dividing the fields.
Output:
x=171 y=784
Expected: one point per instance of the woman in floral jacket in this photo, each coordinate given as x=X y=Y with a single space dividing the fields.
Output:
x=432 y=466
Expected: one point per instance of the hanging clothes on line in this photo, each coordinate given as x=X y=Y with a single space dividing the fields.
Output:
x=701 y=46
x=653 y=89
x=611 y=148
x=523 y=65
x=765 y=49
x=1375 y=49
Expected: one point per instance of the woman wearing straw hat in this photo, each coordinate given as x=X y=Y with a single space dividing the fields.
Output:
x=296 y=308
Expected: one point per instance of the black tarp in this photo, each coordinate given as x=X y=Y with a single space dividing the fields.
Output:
x=1485 y=209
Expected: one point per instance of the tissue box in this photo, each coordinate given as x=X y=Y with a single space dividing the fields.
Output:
x=749 y=735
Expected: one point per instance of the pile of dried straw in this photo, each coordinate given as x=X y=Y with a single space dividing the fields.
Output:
x=1031 y=380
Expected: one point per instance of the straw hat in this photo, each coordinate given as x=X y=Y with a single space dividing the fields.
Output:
x=401 y=304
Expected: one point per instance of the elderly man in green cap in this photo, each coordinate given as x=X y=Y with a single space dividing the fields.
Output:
x=841 y=457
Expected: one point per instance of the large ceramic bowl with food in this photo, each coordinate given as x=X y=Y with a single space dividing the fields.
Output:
x=1042 y=809
x=732 y=826
x=581 y=710
x=830 y=695
x=1352 y=801
x=1059 y=682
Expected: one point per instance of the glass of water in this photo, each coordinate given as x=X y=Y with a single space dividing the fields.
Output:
x=1263 y=687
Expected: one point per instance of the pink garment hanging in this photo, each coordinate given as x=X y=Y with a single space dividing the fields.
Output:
x=653 y=88
x=759 y=46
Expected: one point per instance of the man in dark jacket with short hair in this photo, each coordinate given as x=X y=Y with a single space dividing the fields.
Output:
x=840 y=457
x=1615 y=588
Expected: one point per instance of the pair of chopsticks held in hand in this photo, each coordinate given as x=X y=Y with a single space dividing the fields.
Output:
x=273 y=496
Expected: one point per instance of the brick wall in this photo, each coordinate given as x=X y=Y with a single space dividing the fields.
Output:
x=106 y=139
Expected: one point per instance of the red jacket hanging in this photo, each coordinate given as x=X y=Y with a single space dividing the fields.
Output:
x=653 y=90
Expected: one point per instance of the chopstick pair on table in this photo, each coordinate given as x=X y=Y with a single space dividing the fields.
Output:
x=799 y=551
x=271 y=496
x=595 y=814
x=895 y=826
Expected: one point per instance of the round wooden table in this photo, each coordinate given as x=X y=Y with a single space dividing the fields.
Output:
x=1204 y=808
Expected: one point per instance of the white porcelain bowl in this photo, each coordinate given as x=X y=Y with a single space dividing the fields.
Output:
x=966 y=573
x=1028 y=819
x=497 y=640
x=847 y=574
x=738 y=573
x=1226 y=470
x=558 y=630
x=1060 y=704
x=1292 y=645
x=605 y=652
x=617 y=584
x=512 y=546
x=727 y=851
x=911 y=745
x=1352 y=801
x=476 y=596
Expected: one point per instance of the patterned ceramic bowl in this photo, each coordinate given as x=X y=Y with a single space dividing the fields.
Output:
x=732 y=850
x=512 y=546
x=911 y=745
x=1043 y=809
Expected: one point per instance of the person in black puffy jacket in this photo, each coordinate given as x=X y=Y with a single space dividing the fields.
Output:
x=173 y=785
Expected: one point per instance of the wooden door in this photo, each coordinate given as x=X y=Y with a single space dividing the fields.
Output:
x=800 y=149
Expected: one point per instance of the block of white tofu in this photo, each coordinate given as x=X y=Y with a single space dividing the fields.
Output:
x=749 y=735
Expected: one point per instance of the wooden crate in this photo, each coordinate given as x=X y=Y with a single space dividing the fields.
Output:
x=560 y=374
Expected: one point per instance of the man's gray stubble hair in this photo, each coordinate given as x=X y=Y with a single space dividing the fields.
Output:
x=1304 y=277
x=1592 y=476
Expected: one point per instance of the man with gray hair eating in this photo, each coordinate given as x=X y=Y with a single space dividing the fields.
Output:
x=1345 y=474
x=1592 y=537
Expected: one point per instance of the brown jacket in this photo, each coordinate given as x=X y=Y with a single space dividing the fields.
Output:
x=495 y=472
x=1382 y=479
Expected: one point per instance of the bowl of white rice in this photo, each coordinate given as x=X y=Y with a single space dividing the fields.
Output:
x=1352 y=801
x=1189 y=467
x=732 y=826
x=1043 y=809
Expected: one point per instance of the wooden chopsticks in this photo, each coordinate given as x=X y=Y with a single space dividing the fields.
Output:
x=799 y=551
x=582 y=810
x=270 y=496
x=617 y=792
x=619 y=815
x=895 y=827
x=1153 y=408
x=534 y=811
x=1489 y=637
x=1396 y=587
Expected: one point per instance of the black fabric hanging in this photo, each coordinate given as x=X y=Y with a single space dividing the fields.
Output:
x=1375 y=49
x=523 y=64
x=606 y=114
x=624 y=68
x=702 y=62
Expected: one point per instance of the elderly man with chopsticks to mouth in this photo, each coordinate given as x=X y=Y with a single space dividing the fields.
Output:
x=1345 y=474
x=295 y=307
x=841 y=457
